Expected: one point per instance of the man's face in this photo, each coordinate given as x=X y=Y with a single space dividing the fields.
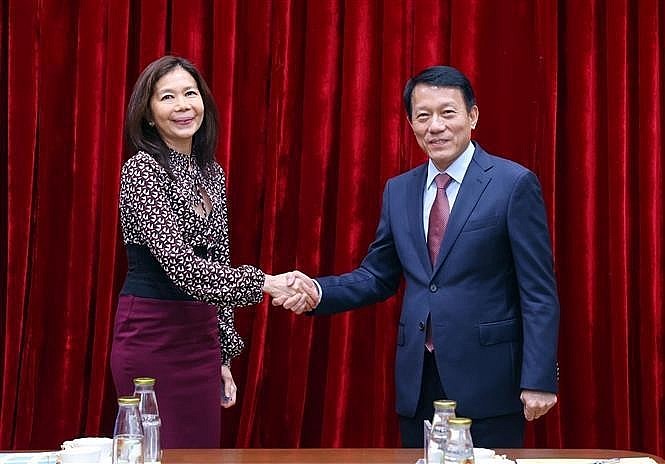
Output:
x=441 y=123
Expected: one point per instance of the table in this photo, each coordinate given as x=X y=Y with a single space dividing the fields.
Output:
x=361 y=455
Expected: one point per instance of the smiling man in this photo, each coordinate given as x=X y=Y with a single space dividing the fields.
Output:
x=468 y=232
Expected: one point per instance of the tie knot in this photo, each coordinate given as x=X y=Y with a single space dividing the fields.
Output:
x=442 y=180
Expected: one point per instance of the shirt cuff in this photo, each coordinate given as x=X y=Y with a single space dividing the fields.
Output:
x=319 y=290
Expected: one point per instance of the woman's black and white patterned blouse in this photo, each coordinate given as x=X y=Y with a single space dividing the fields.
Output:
x=167 y=217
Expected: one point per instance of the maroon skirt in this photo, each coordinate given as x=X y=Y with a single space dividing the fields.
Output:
x=176 y=342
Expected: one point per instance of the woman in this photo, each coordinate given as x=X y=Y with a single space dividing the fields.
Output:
x=175 y=318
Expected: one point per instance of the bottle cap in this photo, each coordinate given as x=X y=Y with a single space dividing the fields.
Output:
x=459 y=421
x=128 y=401
x=144 y=381
x=440 y=404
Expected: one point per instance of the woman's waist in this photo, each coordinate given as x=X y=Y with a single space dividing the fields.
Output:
x=147 y=278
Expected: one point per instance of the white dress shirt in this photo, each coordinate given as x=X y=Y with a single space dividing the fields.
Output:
x=456 y=171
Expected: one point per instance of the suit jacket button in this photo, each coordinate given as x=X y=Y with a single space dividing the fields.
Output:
x=433 y=288
x=421 y=326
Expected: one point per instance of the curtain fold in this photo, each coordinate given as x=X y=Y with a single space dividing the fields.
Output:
x=312 y=126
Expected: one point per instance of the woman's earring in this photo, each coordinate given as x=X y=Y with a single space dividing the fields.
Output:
x=151 y=123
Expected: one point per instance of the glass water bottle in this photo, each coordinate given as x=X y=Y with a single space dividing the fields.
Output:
x=459 y=446
x=144 y=390
x=435 y=441
x=128 y=432
x=443 y=410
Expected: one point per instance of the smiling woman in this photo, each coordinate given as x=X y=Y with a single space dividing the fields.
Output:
x=177 y=109
x=175 y=310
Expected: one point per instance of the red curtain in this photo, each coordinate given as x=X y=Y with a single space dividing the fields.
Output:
x=312 y=126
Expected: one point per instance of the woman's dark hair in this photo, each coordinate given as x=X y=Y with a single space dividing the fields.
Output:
x=141 y=136
x=440 y=76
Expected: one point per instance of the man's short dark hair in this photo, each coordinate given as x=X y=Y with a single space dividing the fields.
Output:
x=440 y=76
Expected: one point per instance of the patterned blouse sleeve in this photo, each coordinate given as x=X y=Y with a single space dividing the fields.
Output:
x=230 y=342
x=143 y=192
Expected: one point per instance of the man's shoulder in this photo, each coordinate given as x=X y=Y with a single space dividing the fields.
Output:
x=498 y=163
x=409 y=175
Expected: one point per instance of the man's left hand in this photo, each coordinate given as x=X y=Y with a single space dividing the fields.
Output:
x=537 y=403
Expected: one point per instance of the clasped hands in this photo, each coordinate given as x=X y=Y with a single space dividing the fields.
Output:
x=293 y=290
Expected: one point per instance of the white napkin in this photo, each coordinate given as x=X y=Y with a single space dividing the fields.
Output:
x=637 y=460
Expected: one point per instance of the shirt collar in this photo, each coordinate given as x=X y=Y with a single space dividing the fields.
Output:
x=179 y=160
x=457 y=168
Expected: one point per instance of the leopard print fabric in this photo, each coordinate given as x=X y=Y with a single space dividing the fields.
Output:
x=160 y=213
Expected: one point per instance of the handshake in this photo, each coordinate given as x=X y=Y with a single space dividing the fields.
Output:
x=293 y=290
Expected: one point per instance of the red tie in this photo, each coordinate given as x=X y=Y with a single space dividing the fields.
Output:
x=438 y=220
x=438 y=217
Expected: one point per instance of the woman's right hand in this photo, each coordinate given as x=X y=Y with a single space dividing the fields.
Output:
x=293 y=290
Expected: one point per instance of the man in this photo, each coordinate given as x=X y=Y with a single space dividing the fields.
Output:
x=468 y=231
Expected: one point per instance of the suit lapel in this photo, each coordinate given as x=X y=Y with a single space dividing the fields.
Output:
x=416 y=189
x=475 y=181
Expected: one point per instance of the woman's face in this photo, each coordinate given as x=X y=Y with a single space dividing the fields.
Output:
x=177 y=109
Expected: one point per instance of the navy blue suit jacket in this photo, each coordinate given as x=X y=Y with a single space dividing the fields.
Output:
x=491 y=295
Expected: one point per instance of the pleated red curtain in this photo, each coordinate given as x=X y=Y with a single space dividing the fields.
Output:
x=312 y=126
